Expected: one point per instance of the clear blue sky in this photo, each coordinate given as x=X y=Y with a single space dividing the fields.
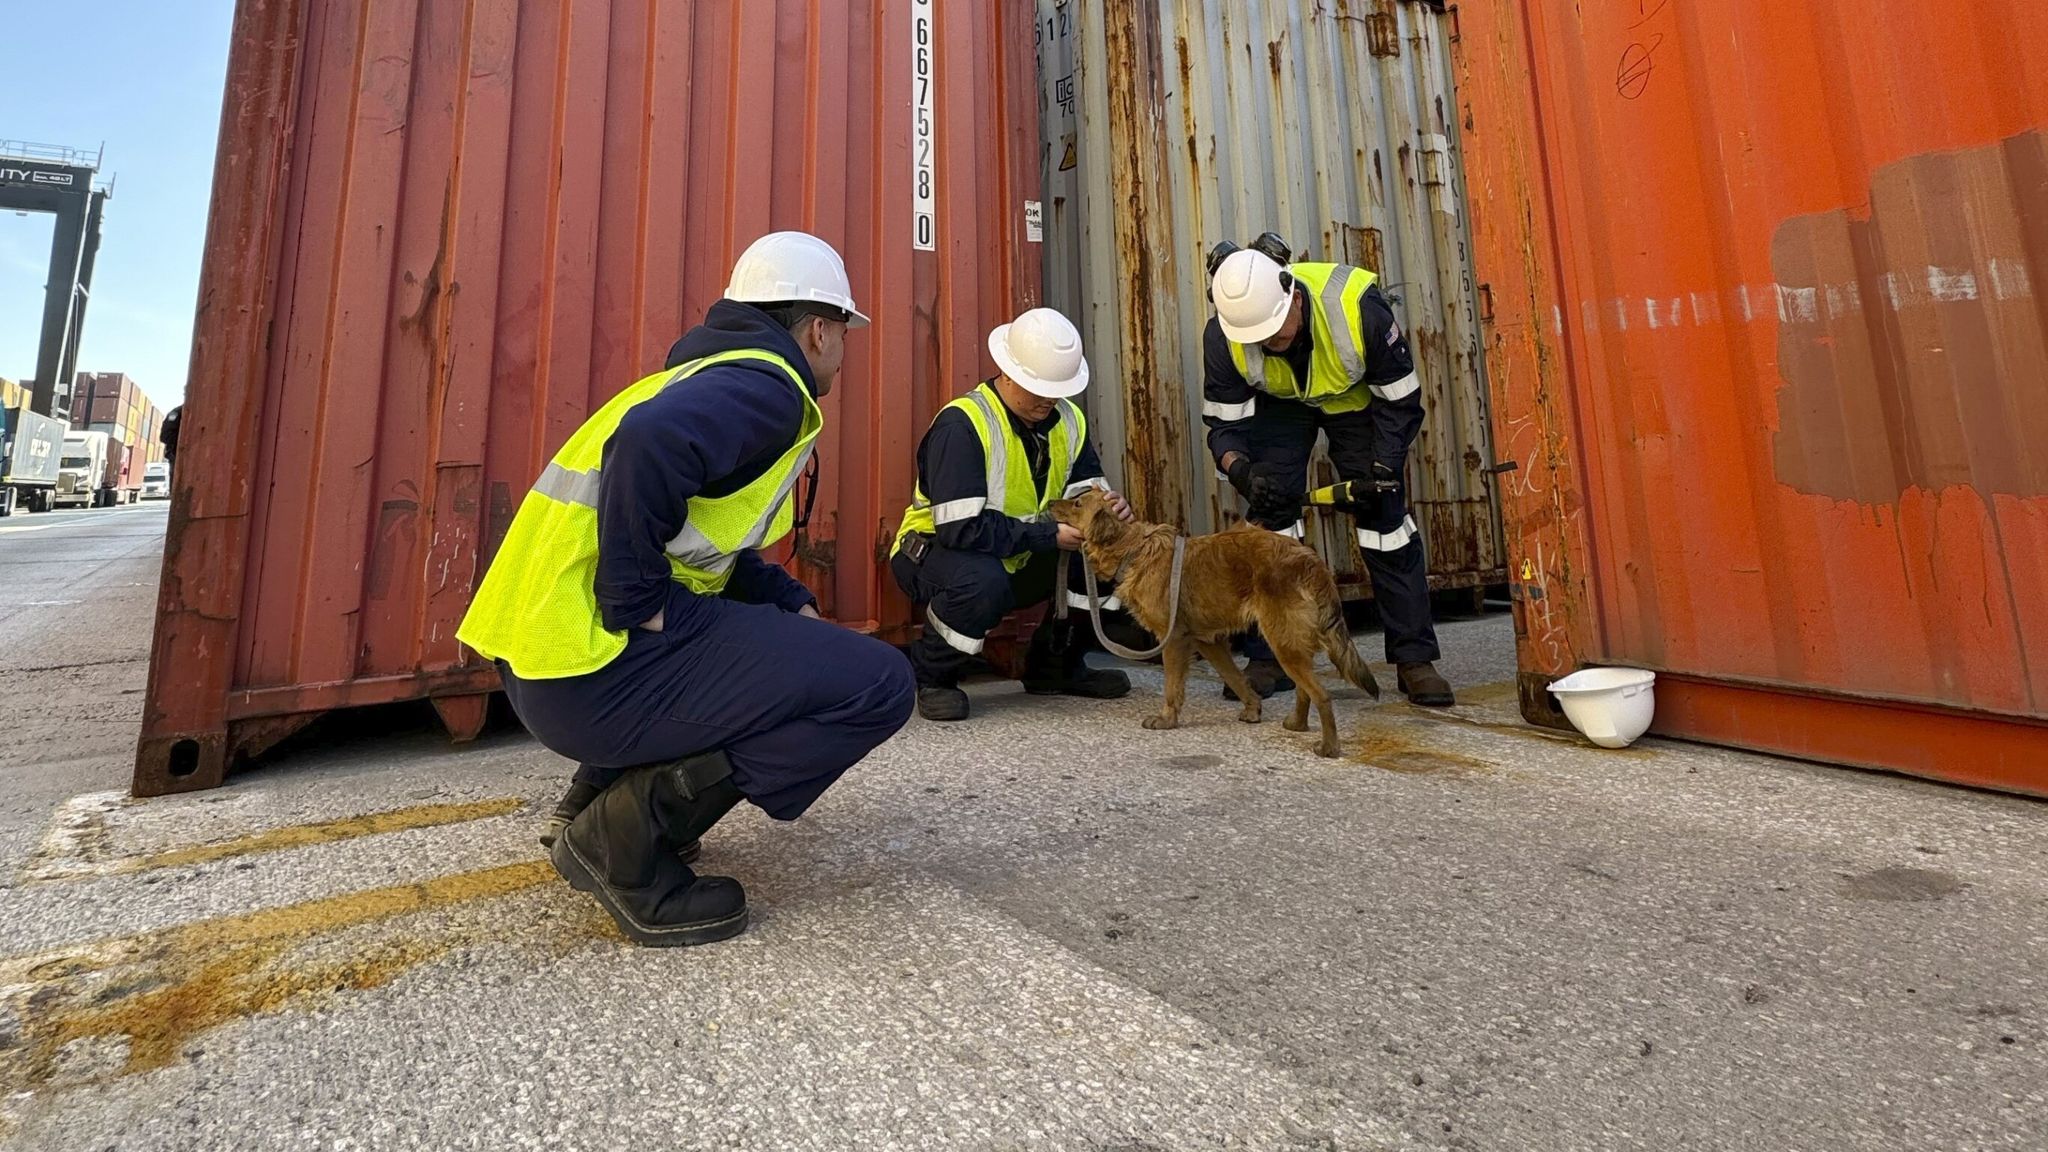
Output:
x=145 y=77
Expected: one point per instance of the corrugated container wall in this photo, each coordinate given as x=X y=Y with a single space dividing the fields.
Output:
x=1767 y=339
x=1170 y=125
x=444 y=232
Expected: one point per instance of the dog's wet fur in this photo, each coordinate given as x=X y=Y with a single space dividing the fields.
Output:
x=1229 y=581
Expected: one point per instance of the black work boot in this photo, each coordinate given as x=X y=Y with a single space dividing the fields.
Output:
x=622 y=850
x=1266 y=679
x=1424 y=685
x=941 y=702
x=1056 y=666
x=572 y=804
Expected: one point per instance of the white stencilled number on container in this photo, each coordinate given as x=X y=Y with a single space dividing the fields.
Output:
x=923 y=138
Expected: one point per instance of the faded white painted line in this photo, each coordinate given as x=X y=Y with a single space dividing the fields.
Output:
x=77 y=839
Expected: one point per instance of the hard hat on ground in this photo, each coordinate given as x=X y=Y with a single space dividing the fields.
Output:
x=1041 y=351
x=793 y=268
x=1252 y=294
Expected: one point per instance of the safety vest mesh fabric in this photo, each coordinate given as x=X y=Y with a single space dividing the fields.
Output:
x=537 y=607
x=1337 y=359
x=1011 y=489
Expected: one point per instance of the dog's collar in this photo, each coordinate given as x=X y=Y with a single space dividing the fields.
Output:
x=1125 y=562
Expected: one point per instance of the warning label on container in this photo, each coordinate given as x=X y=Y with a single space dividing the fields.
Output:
x=1034 y=222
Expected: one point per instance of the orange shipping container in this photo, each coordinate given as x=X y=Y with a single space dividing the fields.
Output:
x=1766 y=344
x=443 y=233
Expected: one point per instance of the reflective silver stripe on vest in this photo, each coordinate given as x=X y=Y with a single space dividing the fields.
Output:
x=1340 y=325
x=998 y=453
x=1296 y=531
x=1388 y=541
x=1255 y=366
x=953 y=510
x=1080 y=486
x=568 y=485
x=694 y=548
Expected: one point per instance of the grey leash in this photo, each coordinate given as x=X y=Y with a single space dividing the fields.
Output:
x=1059 y=611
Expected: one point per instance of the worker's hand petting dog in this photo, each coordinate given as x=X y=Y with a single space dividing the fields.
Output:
x=1229 y=581
x=1118 y=506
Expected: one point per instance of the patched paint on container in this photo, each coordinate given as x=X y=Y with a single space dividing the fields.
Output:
x=1766 y=346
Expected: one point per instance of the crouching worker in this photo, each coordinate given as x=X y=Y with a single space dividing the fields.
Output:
x=639 y=631
x=977 y=543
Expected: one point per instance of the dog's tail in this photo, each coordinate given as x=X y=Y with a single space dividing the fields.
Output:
x=1337 y=643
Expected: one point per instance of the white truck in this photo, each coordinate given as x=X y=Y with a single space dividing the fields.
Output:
x=82 y=476
x=156 y=481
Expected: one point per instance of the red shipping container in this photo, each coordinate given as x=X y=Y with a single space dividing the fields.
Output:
x=1768 y=352
x=443 y=233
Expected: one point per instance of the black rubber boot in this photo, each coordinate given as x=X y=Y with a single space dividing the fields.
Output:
x=572 y=804
x=622 y=850
x=1056 y=665
x=1424 y=685
x=938 y=702
x=1266 y=679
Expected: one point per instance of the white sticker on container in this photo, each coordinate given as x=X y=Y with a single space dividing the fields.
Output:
x=924 y=220
x=1034 y=222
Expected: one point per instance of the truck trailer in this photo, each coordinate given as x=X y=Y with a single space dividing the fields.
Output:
x=30 y=447
x=90 y=475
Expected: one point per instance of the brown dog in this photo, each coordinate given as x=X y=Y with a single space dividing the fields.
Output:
x=1229 y=581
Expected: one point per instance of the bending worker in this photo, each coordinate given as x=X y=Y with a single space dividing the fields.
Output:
x=639 y=631
x=976 y=541
x=1304 y=348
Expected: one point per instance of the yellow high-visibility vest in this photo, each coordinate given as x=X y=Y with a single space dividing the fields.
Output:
x=537 y=607
x=1011 y=489
x=1337 y=360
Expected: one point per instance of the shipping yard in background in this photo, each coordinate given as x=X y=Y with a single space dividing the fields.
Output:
x=1733 y=363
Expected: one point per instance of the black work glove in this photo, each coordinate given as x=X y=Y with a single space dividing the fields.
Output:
x=1240 y=474
x=1381 y=486
x=1268 y=496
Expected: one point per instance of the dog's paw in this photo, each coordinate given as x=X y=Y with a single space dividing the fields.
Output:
x=1251 y=714
x=1328 y=749
x=1295 y=723
x=1161 y=723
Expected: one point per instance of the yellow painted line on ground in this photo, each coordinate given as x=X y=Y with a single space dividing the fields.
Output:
x=113 y=1008
x=324 y=832
x=89 y=843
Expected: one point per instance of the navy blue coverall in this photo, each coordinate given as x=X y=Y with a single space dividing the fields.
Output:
x=962 y=584
x=1270 y=430
x=793 y=701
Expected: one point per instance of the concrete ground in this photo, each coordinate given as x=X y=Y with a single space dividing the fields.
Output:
x=1043 y=929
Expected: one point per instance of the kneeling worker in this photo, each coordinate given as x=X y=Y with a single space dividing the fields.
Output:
x=1304 y=348
x=639 y=631
x=977 y=543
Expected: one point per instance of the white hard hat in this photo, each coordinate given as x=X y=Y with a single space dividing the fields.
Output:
x=1252 y=295
x=1041 y=351
x=793 y=267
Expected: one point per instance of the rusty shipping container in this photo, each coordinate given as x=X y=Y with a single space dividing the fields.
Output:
x=444 y=232
x=1762 y=287
x=1170 y=125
